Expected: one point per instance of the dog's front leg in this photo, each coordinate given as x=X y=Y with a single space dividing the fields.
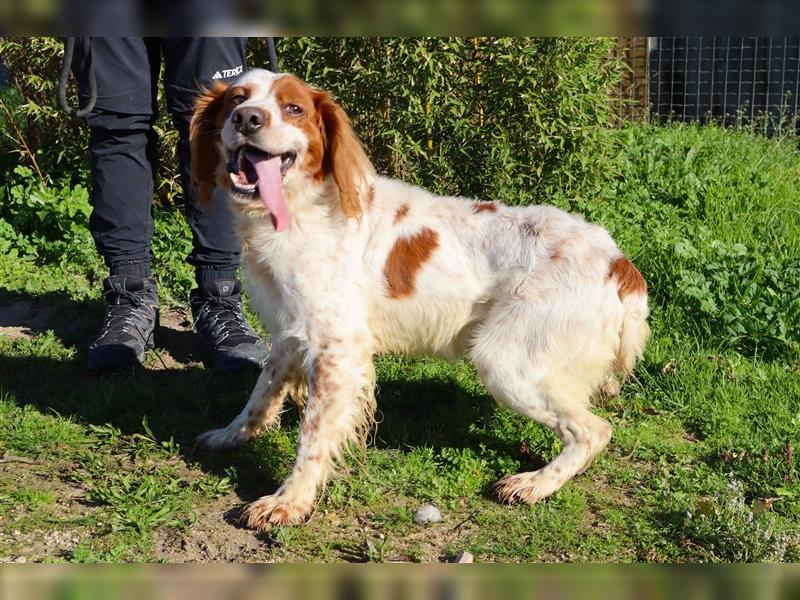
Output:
x=340 y=409
x=263 y=409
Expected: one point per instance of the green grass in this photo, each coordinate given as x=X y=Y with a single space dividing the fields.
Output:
x=702 y=465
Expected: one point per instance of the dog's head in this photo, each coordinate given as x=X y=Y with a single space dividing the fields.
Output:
x=267 y=137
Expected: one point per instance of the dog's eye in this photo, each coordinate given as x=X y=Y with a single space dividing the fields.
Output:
x=293 y=109
x=238 y=99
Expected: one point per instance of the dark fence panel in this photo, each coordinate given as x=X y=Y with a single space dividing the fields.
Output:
x=729 y=80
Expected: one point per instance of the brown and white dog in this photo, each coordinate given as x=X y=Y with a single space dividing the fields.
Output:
x=343 y=264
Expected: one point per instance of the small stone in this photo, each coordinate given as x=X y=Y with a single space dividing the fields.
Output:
x=20 y=560
x=463 y=557
x=427 y=513
x=16 y=533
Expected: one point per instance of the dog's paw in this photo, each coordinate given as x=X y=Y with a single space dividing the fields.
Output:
x=269 y=511
x=611 y=388
x=525 y=487
x=225 y=438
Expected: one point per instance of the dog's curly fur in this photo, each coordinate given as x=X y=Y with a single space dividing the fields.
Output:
x=544 y=304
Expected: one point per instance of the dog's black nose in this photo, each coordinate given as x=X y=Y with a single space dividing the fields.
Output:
x=248 y=119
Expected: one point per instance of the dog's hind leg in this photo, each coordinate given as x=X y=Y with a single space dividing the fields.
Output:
x=527 y=368
x=584 y=436
x=263 y=409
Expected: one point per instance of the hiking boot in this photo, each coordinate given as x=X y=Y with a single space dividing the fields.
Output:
x=220 y=321
x=130 y=321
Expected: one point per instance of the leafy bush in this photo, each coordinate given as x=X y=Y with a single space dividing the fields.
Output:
x=515 y=119
x=38 y=134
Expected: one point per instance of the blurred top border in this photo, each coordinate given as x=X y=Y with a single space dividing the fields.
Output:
x=398 y=17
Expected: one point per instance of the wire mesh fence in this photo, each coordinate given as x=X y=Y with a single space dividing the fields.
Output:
x=733 y=81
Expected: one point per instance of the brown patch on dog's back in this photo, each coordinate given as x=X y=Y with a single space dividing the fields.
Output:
x=629 y=280
x=480 y=207
x=406 y=259
x=402 y=213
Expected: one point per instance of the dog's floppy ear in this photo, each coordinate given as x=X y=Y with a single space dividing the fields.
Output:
x=207 y=120
x=344 y=154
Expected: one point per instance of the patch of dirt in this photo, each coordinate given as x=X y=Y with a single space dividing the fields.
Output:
x=31 y=535
x=58 y=529
x=177 y=345
x=353 y=534
x=214 y=537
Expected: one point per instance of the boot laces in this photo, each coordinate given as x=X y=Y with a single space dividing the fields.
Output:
x=222 y=318
x=121 y=316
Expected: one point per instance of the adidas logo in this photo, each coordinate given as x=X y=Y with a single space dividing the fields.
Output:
x=225 y=73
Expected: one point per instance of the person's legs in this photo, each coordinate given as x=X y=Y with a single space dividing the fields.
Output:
x=121 y=222
x=189 y=65
x=121 y=149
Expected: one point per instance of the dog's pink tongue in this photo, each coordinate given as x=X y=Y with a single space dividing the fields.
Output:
x=271 y=190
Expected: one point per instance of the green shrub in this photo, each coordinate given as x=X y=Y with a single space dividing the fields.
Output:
x=38 y=134
x=749 y=300
x=516 y=119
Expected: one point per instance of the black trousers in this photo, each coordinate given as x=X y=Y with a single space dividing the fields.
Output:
x=123 y=146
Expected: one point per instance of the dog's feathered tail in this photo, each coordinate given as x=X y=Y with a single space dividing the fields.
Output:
x=632 y=290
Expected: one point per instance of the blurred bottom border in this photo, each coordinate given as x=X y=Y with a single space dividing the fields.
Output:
x=399 y=582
